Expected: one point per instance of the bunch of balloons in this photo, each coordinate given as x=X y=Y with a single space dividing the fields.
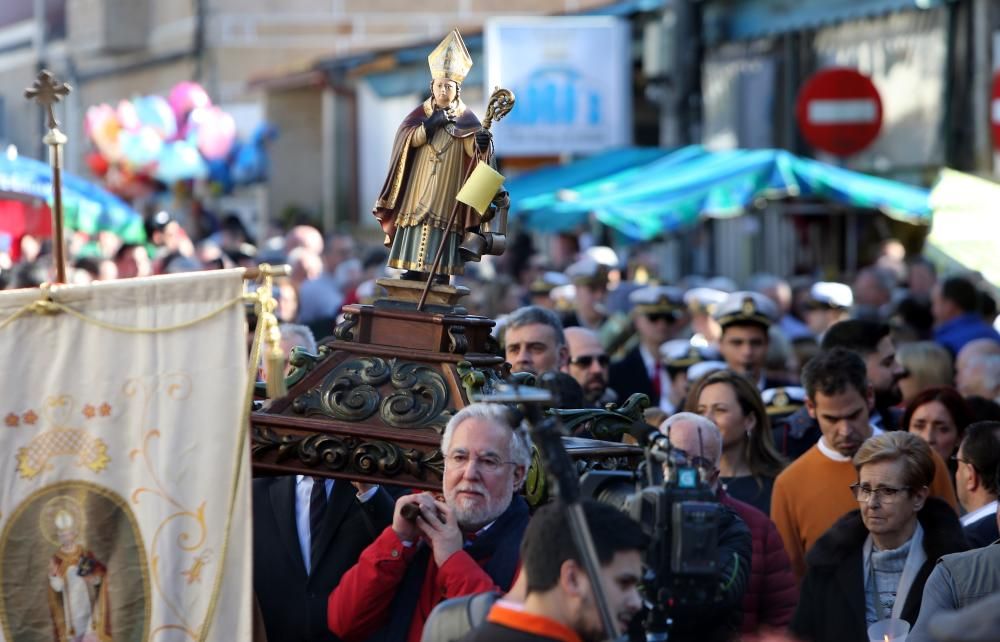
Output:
x=180 y=137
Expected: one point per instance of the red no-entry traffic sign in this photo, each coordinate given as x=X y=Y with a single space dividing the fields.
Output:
x=839 y=111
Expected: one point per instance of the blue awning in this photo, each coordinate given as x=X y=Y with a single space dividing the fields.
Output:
x=660 y=194
x=745 y=19
x=87 y=207
x=533 y=190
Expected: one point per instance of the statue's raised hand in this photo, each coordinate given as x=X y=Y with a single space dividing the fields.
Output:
x=435 y=122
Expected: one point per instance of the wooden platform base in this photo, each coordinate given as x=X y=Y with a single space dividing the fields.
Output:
x=409 y=292
x=373 y=404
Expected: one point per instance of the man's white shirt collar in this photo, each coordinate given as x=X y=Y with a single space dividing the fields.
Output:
x=836 y=456
x=979 y=513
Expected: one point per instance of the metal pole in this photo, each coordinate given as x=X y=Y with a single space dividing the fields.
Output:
x=47 y=92
x=982 y=74
x=55 y=160
x=556 y=462
x=688 y=52
x=588 y=554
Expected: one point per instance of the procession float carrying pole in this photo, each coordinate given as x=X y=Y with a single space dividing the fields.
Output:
x=47 y=92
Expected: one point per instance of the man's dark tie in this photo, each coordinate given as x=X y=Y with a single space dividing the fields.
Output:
x=317 y=509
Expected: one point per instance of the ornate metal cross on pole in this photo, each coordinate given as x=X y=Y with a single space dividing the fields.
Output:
x=46 y=91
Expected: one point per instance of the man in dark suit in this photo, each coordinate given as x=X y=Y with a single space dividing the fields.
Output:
x=659 y=314
x=294 y=572
x=976 y=482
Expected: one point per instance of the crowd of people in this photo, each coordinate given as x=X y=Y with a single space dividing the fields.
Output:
x=852 y=431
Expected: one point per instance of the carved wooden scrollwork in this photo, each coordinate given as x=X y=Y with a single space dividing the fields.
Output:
x=419 y=400
x=608 y=423
x=458 y=343
x=343 y=330
x=349 y=392
x=477 y=381
x=302 y=362
x=329 y=453
x=536 y=489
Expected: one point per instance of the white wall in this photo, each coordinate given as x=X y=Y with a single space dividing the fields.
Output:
x=378 y=120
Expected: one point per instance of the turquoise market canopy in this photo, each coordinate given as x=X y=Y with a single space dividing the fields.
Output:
x=644 y=192
x=86 y=207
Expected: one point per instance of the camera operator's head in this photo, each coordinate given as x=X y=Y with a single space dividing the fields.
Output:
x=557 y=582
x=700 y=441
x=839 y=398
x=486 y=456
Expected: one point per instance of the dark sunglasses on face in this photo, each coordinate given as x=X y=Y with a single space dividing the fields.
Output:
x=586 y=360
x=661 y=316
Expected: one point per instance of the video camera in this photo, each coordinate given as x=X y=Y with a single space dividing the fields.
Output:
x=680 y=515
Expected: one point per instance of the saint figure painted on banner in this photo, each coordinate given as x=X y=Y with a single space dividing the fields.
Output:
x=434 y=152
x=78 y=581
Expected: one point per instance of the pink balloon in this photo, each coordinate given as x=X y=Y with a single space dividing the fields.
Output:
x=96 y=116
x=102 y=126
x=216 y=131
x=186 y=96
x=127 y=115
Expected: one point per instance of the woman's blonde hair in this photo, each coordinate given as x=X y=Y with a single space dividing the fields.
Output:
x=928 y=363
x=897 y=445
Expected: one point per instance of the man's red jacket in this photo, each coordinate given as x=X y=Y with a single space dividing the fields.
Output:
x=772 y=592
x=359 y=606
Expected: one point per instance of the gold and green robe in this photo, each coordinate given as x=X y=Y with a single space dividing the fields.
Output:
x=418 y=198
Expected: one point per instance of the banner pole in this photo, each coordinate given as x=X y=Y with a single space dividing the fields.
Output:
x=46 y=91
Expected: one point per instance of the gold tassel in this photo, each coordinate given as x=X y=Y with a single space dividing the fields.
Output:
x=274 y=356
x=275 y=364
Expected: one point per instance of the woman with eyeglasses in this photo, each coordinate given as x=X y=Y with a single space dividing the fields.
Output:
x=750 y=461
x=872 y=564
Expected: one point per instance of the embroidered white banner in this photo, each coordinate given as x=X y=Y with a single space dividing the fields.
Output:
x=124 y=483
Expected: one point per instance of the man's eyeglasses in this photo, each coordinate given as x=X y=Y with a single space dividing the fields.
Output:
x=884 y=494
x=661 y=316
x=586 y=360
x=488 y=463
x=682 y=458
x=955 y=457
